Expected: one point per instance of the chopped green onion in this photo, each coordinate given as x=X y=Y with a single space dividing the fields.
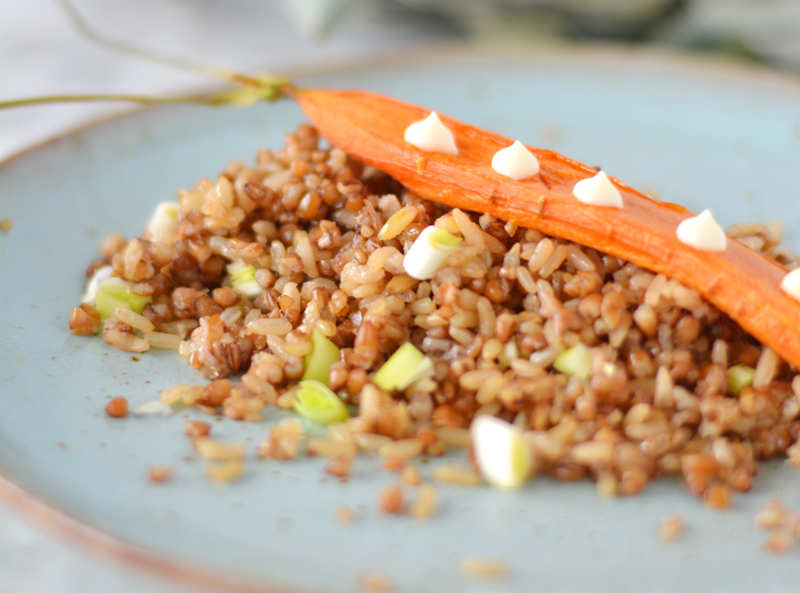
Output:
x=507 y=354
x=575 y=361
x=243 y=279
x=405 y=366
x=441 y=238
x=501 y=452
x=316 y=402
x=739 y=376
x=100 y=275
x=163 y=225
x=429 y=252
x=317 y=363
x=115 y=292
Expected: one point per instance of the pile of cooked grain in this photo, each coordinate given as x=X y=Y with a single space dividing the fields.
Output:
x=328 y=235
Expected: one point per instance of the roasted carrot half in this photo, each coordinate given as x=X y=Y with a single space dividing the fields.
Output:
x=739 y=281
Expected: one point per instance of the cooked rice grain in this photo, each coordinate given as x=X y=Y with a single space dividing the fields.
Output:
x=455 y=474
x=134 y=320
x=484 y=568
x=217 y=450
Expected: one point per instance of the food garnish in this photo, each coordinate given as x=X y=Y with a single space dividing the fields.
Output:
x=315 y=401
x=702 y=232
x=515 y=161
x=405 y=366
x=501 y=452
x=598 y=190
x=431 y=134
x=323 y=354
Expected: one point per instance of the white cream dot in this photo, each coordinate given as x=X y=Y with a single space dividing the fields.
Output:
x=598 y=191
x=702 y=232
x=515 y=161
x=431 y=134
x=791 y=284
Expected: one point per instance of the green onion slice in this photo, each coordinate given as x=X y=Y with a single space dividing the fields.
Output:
x=243 y=279
x=115 y=292
x=500 y=449
x=575 y=361
x=739 y=376
x=318 y=362
x=441 y=238
x=315 y=401
x=405 y=366
x=429 y=252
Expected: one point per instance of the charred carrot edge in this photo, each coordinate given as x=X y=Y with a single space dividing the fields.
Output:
x=739 y=281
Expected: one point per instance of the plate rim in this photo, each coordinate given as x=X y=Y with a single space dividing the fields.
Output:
x=708 y=63
x=48 y=515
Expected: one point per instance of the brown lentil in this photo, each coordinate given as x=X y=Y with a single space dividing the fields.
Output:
x=345 y=514
x=339 y=466
x=670 y=528
x=718 y=497
x=84 y=320
x=197 y=428
x=216 y=392
x=392 y=500
x=411 y=475
x=392 y=463
x=159 y=474
x=373 y=582
x=117 y=407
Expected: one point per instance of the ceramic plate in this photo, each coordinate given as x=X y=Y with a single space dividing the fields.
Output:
x=702 y=134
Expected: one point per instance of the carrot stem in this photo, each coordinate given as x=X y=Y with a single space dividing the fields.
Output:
x=97 y=98
x=271 y=88
x=740 y=282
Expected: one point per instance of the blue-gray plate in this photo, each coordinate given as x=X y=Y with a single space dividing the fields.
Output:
x=705 y=134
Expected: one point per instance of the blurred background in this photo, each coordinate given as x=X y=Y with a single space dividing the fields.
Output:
x=43 y=52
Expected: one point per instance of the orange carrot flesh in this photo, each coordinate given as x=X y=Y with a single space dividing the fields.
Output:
x=738 y=281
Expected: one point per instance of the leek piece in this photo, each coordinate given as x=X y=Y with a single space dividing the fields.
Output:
x=405 y=366
x=100 y=275
x=576 y=361
x=317 y=363
x=163 y=224
x=243 y=279
x=429 y=252
x=115 y=292
x=739 y=376
x=315 y=401
x=441 y=238
x=501 y=452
